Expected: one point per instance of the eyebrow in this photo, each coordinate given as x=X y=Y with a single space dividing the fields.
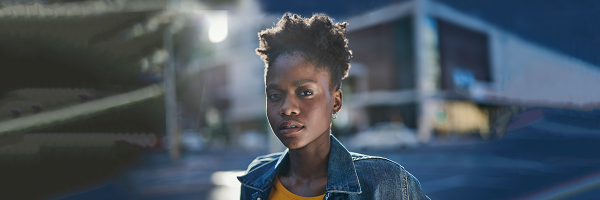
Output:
x=297 y=83
x=274 y=86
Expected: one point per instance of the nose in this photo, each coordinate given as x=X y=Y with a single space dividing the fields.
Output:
x=289 y=107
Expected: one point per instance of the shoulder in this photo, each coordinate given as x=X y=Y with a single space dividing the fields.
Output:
x=378 y=169
x=370 y=162
x=262 y=160
x=377 y=172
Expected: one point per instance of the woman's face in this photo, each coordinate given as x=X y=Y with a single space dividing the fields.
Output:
x=299 y=101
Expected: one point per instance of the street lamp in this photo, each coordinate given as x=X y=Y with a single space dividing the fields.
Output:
x=217 y=25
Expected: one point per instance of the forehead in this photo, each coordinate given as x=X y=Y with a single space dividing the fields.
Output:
x=294 y=66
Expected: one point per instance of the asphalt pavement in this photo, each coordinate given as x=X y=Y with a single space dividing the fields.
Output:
x=550 y=158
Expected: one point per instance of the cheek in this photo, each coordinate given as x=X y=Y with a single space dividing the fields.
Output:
x=320 y=115
x=271 y=113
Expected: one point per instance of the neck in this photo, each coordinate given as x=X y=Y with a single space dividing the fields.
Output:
x=310 y=161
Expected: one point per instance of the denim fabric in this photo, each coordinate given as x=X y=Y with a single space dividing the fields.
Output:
x=349 y=176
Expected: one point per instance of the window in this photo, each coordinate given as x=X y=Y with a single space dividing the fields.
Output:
x=464 y=56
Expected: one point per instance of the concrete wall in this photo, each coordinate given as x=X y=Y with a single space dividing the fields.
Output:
x=528 y=74
x=537 y=75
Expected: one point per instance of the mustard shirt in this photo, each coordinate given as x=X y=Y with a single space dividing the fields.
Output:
x=279 y=192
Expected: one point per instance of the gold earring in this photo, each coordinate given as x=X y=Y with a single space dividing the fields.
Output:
x=334 y=115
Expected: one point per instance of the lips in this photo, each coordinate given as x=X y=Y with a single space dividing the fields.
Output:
x=288 y=127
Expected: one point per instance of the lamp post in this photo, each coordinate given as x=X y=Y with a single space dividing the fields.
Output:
x=217 y=22
x=173 y=130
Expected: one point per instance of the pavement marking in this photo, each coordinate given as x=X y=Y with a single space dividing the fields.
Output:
x=567 y=189
x=563 y=128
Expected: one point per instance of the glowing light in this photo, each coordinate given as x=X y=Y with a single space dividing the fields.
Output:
x=217 y=26
x=227 y=185
x=213 y=117
x=226 y=178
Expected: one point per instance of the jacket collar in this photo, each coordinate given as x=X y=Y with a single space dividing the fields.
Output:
x=341 y=174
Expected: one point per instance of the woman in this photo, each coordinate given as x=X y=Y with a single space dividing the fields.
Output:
x=305 y=62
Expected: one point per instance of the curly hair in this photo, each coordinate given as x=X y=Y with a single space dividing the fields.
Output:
x=316 y=39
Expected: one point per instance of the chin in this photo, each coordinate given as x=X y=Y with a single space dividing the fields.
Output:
x=294 y=146
x=292 y=143
x=298 y=141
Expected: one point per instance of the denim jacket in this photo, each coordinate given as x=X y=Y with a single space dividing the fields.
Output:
x=349 y=176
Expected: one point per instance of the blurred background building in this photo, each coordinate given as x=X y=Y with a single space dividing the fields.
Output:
x=89 y=87
x=429 y=65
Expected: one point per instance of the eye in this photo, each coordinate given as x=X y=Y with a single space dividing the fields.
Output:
x=273 y=96
x=306 y=93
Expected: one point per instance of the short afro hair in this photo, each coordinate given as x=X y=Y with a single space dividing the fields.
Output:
x=316 y=39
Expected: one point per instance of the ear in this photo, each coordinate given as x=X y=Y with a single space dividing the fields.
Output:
x=337 y=100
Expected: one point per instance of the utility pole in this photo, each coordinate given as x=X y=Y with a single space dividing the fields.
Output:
x=173 y=129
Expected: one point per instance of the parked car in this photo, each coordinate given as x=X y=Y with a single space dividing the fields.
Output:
x=384 y=135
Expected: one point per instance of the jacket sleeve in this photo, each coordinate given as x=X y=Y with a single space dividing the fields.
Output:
x=243 y=195
x=414 y=187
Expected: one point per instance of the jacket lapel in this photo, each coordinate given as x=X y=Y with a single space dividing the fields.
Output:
x=341 y=174
x=262 y=177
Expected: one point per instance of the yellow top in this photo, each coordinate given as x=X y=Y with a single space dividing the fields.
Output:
x=279 y=192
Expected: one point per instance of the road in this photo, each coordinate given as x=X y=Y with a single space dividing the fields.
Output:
x=541 y=160
x=512 y=168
